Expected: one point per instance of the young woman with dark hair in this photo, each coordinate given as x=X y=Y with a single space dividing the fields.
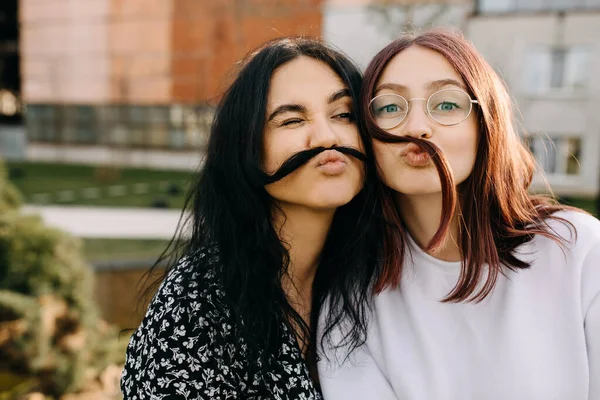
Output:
x=487 y=291
x=279 y=221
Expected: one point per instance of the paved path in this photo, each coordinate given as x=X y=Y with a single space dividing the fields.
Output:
x=110 y=222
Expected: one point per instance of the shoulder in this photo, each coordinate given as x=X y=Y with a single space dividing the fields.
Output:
x=197 y=269
x=190 y=295
x=579 y=229
x=186 y=340
x=581 y=233
x=190 y=289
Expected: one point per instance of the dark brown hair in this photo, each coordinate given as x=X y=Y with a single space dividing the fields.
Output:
x=497 y=212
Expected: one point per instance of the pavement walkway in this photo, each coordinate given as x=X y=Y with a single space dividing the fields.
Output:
x=110 y=222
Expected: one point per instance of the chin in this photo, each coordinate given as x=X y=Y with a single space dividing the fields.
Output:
x=332 y=199
x=416 y=187
x=332 y=202
x=418 y=191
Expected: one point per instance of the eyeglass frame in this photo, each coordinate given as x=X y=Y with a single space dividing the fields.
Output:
x=471 y=102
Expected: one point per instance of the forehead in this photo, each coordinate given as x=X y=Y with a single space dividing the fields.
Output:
x=416 y=67
x=303 y=79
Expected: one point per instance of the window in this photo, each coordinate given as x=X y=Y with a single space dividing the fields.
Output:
x=41 y=123
x=486 y=6
x=137 y=124
x=576 y=68
x=176 y=127
x=159 y=126
x=107 y=121
x=495 y=6
x=557 y=69
x=189 y=126
x=530 y=5
x=557 y=155
x=86 y=126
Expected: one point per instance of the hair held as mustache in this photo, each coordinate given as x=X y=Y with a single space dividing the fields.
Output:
x=449 y=194
x=301 y=158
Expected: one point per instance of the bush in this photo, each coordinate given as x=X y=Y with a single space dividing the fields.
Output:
x=51 y=336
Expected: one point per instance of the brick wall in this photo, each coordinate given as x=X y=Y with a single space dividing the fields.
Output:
x=146 y=51
x=209 y=37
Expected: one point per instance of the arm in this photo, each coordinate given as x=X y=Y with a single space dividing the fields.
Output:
x=185 y=347
x=590 y=290
x=592 y=338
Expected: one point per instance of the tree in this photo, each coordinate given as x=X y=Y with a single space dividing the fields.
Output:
x=396 y=17
x=51 y=336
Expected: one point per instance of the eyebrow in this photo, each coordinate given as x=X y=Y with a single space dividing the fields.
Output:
x=301 y=109
x=435 y=85
x=287 y=108
x=339 y=95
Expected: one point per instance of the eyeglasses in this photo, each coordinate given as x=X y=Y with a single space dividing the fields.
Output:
x=446 y=107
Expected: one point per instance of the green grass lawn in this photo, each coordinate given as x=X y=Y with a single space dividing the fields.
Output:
x=587 y=204
x=52 y=180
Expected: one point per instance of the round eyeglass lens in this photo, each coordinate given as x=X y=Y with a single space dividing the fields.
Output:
x=388 y=110
x=449 y=107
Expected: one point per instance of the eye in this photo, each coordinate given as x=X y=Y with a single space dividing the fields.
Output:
x=446 y=106
x=390 y=108
x=347 y=116
x=291 y=121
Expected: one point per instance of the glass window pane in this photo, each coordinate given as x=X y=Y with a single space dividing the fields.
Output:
x=158 y=114
x=574 y=152
x=557 y=155
x=138 y=114
x=531 y=5
x=576 y=68
x=159 y=135
x=565 y=4
x=85 y=133
x=34 y=131
x=537 y=70
x=545 y=152
x=177 y=115
x=177 y=138
x=497 y=5
x=118 y=135
x=137 y=136
x=48 y=133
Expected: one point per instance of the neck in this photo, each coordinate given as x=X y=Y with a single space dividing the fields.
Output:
x=303 y=231
x=421 y=215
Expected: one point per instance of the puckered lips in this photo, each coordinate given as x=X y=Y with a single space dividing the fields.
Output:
x=415 y=156
x=331 y=162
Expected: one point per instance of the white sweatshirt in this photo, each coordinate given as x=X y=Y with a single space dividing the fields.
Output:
x=535 y=337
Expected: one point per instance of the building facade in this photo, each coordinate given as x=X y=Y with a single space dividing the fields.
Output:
x=134 y=82
x=548 y=53
x=361 y=28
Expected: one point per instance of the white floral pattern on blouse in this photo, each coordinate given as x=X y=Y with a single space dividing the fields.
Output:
x=185 y=347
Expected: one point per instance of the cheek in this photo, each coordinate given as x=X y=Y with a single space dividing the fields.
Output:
x=348 y=135
x=269 y=161
x=462 y=152
x=385 y=158
x=276 y=150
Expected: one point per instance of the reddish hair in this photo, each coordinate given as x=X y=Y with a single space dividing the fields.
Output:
x=498 y=213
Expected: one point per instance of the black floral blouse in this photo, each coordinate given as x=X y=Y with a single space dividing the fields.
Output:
x=185 y=347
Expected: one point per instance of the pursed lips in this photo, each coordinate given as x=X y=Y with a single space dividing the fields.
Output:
x=330 y=156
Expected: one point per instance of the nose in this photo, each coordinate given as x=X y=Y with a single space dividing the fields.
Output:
x=323 y=134
x=417 y=123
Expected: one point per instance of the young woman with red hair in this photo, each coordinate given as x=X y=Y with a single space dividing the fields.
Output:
x=486 y=291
